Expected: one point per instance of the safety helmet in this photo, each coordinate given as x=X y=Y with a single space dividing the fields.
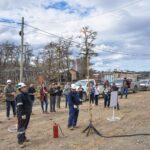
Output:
x=9 y=81
x=20 y=85
x=73 y=86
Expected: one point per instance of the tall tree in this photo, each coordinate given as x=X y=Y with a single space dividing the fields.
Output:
x=87 y=44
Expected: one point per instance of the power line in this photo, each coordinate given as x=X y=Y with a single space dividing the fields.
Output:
x=109 y=51
x=121 y=7
x=64 y=39
x=7 y=26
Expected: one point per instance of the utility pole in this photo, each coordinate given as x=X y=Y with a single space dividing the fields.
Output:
x=21 y=33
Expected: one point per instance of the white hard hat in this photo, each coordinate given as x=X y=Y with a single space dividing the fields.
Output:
x=9 y=81
x=73 y=86
x=20 y=85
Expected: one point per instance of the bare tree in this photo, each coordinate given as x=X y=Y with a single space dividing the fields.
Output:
x=87 y=36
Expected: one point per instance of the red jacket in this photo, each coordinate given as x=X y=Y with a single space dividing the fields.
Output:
x=43 y=93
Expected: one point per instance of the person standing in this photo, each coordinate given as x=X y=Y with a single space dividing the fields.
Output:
x=115 y=88
x=10 y=93
x=53 y=93
x=32 y=92
x=24 y=110
x=66 y=92
x=107 y=90
x=92 y=93
x=80 y=92
x=44 y=98
x=73 y=102
x=58 y=95
x=124 y=88
x=97 y=93
x=1 y=96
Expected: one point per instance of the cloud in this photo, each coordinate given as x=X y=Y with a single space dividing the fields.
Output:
x=122 y=26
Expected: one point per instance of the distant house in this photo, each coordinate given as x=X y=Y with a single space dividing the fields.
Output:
x=144 y=75
x=111 y=76
x=72 y=74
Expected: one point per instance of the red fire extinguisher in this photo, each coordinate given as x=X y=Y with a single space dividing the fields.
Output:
x=55 y=130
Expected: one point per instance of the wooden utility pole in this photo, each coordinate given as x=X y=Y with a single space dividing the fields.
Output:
x=22 y=46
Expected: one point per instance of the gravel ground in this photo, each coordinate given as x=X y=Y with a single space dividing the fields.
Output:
x=135 y=119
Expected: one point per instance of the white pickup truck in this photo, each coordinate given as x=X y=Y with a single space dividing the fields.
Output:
x=144 y=84
x=134 y=85
x=84 y=84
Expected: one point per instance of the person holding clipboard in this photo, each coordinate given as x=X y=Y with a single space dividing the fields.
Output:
x=115 y=88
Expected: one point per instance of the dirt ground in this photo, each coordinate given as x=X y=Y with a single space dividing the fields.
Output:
x=135 y=119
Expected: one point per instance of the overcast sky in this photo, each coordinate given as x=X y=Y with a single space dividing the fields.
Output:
x=123 y=27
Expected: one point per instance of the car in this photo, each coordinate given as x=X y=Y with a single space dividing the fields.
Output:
x=144 y=84
x=134 y=85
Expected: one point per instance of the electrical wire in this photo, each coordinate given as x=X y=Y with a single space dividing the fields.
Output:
x=64 y=39
x=75 y=42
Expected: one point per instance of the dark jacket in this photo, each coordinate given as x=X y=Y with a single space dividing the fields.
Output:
x=114 y=88
x=31 y=91
x=73 y=99
x=53 y=91
x=59 y=91
x=24 y=104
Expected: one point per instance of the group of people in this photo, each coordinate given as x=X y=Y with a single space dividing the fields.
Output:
x=109 y=88
x=22 y=103
x=55 y=93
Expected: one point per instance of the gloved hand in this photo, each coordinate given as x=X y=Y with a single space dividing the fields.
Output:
x=75 y=106
x=23 y=117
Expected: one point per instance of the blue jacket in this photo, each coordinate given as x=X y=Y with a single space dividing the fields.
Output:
x=73 y=99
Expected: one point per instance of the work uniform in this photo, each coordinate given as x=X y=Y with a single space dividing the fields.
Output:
x=24 y=110
x=73 y=102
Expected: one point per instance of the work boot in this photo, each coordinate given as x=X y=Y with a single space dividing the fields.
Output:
x=71 y=128
x=8 y=118
x=22 y=145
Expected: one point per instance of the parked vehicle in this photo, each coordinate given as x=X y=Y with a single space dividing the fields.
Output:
x=84 y=84
x=133 y=85
x=144 y=84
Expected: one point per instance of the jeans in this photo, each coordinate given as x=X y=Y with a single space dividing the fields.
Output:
x=124 y=91
x=13 y=105
x=73 y=116
x=52 y=103
x=92 y=97
x=106 y=100
x=44 y=102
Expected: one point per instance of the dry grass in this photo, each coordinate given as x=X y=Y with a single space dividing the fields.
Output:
x=134 y=115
